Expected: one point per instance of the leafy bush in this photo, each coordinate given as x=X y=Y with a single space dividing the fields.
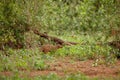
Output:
x=40 y=64
x=89 y=51
x=79 y=15
x=58 y=16
x=15 y=20
x=23 y=59
x=12 y=24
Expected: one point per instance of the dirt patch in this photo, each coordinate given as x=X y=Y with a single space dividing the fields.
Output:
x=67 y=66
x=6 y=73
x=101 y=70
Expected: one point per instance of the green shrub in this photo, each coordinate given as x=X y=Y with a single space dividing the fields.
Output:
x=58 y=16
x=40 y=64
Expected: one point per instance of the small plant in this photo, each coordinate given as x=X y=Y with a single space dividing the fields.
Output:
x=40 y=64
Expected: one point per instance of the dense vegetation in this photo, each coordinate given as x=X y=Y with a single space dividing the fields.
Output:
x=91 y=23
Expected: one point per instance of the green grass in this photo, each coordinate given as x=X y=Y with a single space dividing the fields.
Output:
x=53 y=76
x=33 y=59
x=23 y=59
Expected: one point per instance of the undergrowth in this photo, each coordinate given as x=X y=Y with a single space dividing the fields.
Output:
x=23 y=60
x=53 y=76
x=28 y=59
x=33 y=59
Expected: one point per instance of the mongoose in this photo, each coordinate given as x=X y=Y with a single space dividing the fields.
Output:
x=49 y=47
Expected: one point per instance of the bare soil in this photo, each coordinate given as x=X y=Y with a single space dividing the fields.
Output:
x=68 y=66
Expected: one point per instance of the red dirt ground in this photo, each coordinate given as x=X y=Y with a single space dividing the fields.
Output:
x=68 y=66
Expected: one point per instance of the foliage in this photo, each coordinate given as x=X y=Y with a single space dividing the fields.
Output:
x=34 y=59
x=12 y=24
x=87 y=22
x=15 y=20
x=23 y=59
x=58 y=16
x=53 y=76
x=80 y=15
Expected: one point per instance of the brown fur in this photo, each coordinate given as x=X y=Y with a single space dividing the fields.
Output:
x=49 y=47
